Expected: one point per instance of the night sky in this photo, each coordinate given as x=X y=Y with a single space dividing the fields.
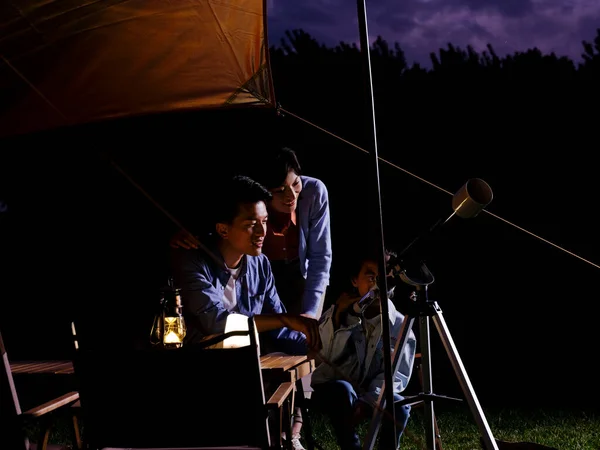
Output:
x=423 y=26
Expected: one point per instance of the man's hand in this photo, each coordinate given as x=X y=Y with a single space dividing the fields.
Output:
x=306 y=325
x=184 y=239
x=296 y=322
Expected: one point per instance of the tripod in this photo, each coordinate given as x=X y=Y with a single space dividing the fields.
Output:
x=422 y=307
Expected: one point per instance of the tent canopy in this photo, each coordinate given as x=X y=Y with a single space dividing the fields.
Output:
x=78 y=61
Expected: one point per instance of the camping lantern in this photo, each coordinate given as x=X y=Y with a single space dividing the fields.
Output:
x=168 y=327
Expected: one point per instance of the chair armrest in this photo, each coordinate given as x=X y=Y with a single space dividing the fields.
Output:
x=52 y=405
x=305 y=368
x=282 y=392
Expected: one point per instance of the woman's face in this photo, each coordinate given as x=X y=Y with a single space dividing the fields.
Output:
x=285 y=197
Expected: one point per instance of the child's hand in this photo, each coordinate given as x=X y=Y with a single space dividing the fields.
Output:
x=343 y=303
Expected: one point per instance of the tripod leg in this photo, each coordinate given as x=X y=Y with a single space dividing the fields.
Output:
x=379 y=408
x=486 y=433
x=430 y=428
x=438 y=439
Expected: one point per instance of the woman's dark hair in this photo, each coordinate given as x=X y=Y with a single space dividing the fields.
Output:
x=275 y=166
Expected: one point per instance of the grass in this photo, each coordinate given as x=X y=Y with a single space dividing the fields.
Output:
x=561 y=429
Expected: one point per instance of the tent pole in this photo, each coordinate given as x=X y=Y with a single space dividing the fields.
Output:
x=388 y=434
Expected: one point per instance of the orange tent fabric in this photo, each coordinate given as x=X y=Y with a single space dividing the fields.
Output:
x=64 y=62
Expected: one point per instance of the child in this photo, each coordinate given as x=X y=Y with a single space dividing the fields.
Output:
x=347 y=384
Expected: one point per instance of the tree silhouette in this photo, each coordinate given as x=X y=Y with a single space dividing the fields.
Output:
x=591 y=58
x=324 y=83
x=299 y=47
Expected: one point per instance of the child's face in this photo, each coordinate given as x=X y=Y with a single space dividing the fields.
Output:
x=367 y=277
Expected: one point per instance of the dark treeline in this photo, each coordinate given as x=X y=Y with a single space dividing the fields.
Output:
x=469 y=102
x=299 y=46
x=306 y=73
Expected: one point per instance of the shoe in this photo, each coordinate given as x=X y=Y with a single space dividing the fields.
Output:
x=296 y=445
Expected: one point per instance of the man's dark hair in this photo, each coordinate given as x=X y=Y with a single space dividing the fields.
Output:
x=275 y=166
x=235 y=192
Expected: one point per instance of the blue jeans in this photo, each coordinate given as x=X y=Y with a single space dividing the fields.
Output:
x=337 y=399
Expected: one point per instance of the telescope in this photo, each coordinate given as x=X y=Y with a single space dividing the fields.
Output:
x=366 y=300
x=467 y=203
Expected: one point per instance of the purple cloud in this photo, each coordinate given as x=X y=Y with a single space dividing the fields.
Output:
x=423 y=26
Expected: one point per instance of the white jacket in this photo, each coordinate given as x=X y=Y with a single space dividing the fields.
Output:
x=368 y=387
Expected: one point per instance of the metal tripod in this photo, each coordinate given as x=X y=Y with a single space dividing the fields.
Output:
x=422 y=307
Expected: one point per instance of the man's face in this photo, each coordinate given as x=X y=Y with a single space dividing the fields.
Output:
x=246 y=233
x=285 y=197
x=367 y=277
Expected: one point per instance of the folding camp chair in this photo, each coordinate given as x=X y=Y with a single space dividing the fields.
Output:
x=192 y=397
x=44 y=415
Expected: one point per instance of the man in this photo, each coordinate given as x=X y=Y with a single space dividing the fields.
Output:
x=232 y=276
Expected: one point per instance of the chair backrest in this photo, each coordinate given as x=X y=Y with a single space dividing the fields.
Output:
x=189 y=397
x=10 y=407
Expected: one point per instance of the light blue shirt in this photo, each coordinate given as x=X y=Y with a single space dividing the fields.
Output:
x=203 y=281
x=315 y=242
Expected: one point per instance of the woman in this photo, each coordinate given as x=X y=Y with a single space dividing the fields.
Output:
x=298 y=240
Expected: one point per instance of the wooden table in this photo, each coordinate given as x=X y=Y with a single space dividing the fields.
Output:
x=270 y=362
x=50 y=367
x=282 y=368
